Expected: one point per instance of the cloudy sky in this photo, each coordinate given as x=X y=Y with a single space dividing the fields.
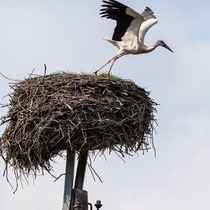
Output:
x=66 y=35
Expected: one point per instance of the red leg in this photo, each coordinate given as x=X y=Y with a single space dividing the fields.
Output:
x=95 y=72
x=114 y=59
x=108 y=73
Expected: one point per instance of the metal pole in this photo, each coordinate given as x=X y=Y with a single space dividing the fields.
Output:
x=81 y=167
x=68 y=186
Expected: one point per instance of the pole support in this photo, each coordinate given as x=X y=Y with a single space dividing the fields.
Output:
x=81 y=168
x=69 y=177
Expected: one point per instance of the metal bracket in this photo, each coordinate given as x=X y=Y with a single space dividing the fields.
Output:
x=79 y=200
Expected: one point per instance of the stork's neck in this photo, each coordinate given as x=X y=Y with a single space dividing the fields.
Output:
x=150 y=49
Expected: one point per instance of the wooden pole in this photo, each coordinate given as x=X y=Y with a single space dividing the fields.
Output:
x=68 y=186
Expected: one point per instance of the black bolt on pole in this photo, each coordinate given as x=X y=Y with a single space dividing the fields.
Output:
x=98 y=204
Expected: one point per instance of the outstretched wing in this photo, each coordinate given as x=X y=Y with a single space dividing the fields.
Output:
x=149 y=20
x=128 y=20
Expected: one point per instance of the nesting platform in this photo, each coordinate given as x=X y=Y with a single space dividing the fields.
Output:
x=48 y=114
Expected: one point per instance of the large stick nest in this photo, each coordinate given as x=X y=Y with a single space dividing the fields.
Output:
x=47 y=114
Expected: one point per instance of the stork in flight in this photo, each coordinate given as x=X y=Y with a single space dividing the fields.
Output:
x=130 y=30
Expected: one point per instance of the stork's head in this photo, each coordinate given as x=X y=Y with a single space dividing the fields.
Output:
x=163 y=44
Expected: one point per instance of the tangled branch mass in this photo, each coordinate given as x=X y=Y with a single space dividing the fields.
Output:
x=47 y=114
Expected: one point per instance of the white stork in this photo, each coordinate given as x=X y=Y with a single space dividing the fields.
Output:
x=130 y=30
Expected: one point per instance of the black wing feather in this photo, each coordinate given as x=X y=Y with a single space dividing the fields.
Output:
x=117 y=11
x=148 y=13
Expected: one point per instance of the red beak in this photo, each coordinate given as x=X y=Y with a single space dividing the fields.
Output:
x=167 y=47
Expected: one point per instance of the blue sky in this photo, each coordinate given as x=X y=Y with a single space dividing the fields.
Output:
x=66 y=35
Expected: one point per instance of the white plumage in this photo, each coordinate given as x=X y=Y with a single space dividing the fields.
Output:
x=130 y=30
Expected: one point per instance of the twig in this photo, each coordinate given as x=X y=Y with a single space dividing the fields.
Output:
x=15 y=80
x=93 y=171
x=59 y=177
x=31 y=72
x=45 y=69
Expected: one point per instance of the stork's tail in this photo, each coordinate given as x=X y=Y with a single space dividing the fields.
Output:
x=111 y=41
